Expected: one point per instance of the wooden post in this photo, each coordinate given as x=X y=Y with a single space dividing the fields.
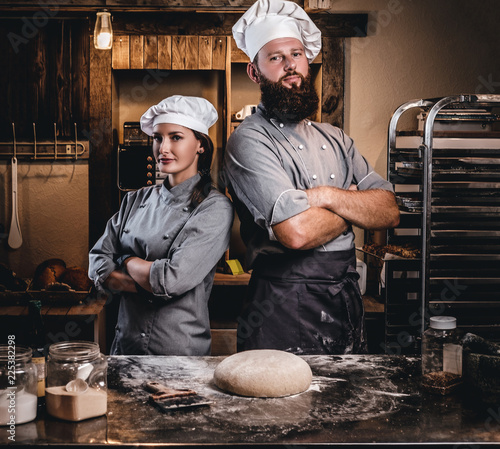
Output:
x=103 y=196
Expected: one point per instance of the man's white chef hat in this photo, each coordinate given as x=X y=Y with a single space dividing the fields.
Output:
x=267 y=20
x=194 y=113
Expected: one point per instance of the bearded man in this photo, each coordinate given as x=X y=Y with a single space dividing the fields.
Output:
x=298 y=187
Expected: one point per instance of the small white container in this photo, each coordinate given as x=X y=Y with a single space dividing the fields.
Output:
x=18 y=385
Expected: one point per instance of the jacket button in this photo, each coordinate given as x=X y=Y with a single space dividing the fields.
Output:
x=301 y=147
x=332 y=176
x=185 y=209
x=281 y=125
x=323 y=147
x=143 y=334
x=165 y=237
x=309 y=123
x=314 y=176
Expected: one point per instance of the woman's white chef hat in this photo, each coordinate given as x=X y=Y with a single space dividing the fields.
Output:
x=267 y=20
x=194 y=113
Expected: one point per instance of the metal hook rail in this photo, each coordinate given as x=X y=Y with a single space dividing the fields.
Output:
x=58 y=150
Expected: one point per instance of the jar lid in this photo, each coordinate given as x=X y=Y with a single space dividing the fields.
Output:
x=443 y=322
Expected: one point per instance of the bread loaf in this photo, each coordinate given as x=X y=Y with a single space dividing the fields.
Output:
x=77 y=278
x=53 y=275
x=48 y=272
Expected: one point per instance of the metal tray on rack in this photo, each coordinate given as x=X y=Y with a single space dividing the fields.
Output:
x=409 y=203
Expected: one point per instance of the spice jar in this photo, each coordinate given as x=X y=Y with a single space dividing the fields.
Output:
x=76 y=381
x=18 y=384
x=441 y=356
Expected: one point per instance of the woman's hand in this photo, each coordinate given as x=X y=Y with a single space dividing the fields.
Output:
x=120 y=281
x=138 y=269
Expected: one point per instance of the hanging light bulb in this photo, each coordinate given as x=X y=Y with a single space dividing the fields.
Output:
x=103 y=33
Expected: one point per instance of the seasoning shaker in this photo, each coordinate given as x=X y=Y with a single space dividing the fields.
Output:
x=18 y=384
x=76 y=381
x=441 y=356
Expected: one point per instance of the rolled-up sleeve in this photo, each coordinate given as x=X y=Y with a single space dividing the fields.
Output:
x=197 y=249
x=255 y=172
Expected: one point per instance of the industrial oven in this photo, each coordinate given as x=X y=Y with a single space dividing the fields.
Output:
x=446 y=175
x=136 y=164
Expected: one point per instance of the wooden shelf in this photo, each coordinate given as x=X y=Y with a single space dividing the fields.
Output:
x=229 y=279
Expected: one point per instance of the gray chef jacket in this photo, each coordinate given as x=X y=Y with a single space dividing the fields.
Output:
x=270 y=162
x=185 y=243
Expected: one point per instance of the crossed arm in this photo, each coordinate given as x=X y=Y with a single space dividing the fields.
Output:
x=332 y=211
x=137 y=271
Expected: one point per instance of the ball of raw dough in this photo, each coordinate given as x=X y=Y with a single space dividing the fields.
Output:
x=264 y=373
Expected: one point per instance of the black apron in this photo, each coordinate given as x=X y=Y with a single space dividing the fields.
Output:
x=305 y=302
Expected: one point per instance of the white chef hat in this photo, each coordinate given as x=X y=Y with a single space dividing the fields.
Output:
x=194 y=113
x=267 y=20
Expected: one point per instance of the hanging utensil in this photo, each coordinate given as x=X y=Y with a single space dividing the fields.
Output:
x=15 y=239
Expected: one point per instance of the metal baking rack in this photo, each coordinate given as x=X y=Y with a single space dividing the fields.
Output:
x=447 y=183
x=58 y=149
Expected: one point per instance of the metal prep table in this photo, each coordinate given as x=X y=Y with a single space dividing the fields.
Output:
x=353 y=400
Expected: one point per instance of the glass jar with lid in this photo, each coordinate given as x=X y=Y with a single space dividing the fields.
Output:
x=76 y=381
x=18 y=385
x=441 y=355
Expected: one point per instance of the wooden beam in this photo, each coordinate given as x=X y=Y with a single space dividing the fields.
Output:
x=333 y=68
x=103 y=194
x=182 y=23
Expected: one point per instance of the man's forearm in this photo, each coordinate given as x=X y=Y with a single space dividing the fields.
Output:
x=367 y=209
x=310 y=229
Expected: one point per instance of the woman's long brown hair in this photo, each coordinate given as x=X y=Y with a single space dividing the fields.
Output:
x=205 y=184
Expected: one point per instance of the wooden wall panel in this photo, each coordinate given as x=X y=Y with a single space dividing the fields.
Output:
x=219 y=53
x=164 y=52
x=80 y=77
x=205 y=52
x=178 y=52
x=136 y=52
x=42 y=77
x=192 y=52
x=236 y=54
x=121 y=52
x=151 y=52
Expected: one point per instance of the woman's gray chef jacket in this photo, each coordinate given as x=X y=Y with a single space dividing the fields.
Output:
x=185 y=244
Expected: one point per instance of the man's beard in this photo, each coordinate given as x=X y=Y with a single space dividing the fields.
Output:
x=289 y=103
